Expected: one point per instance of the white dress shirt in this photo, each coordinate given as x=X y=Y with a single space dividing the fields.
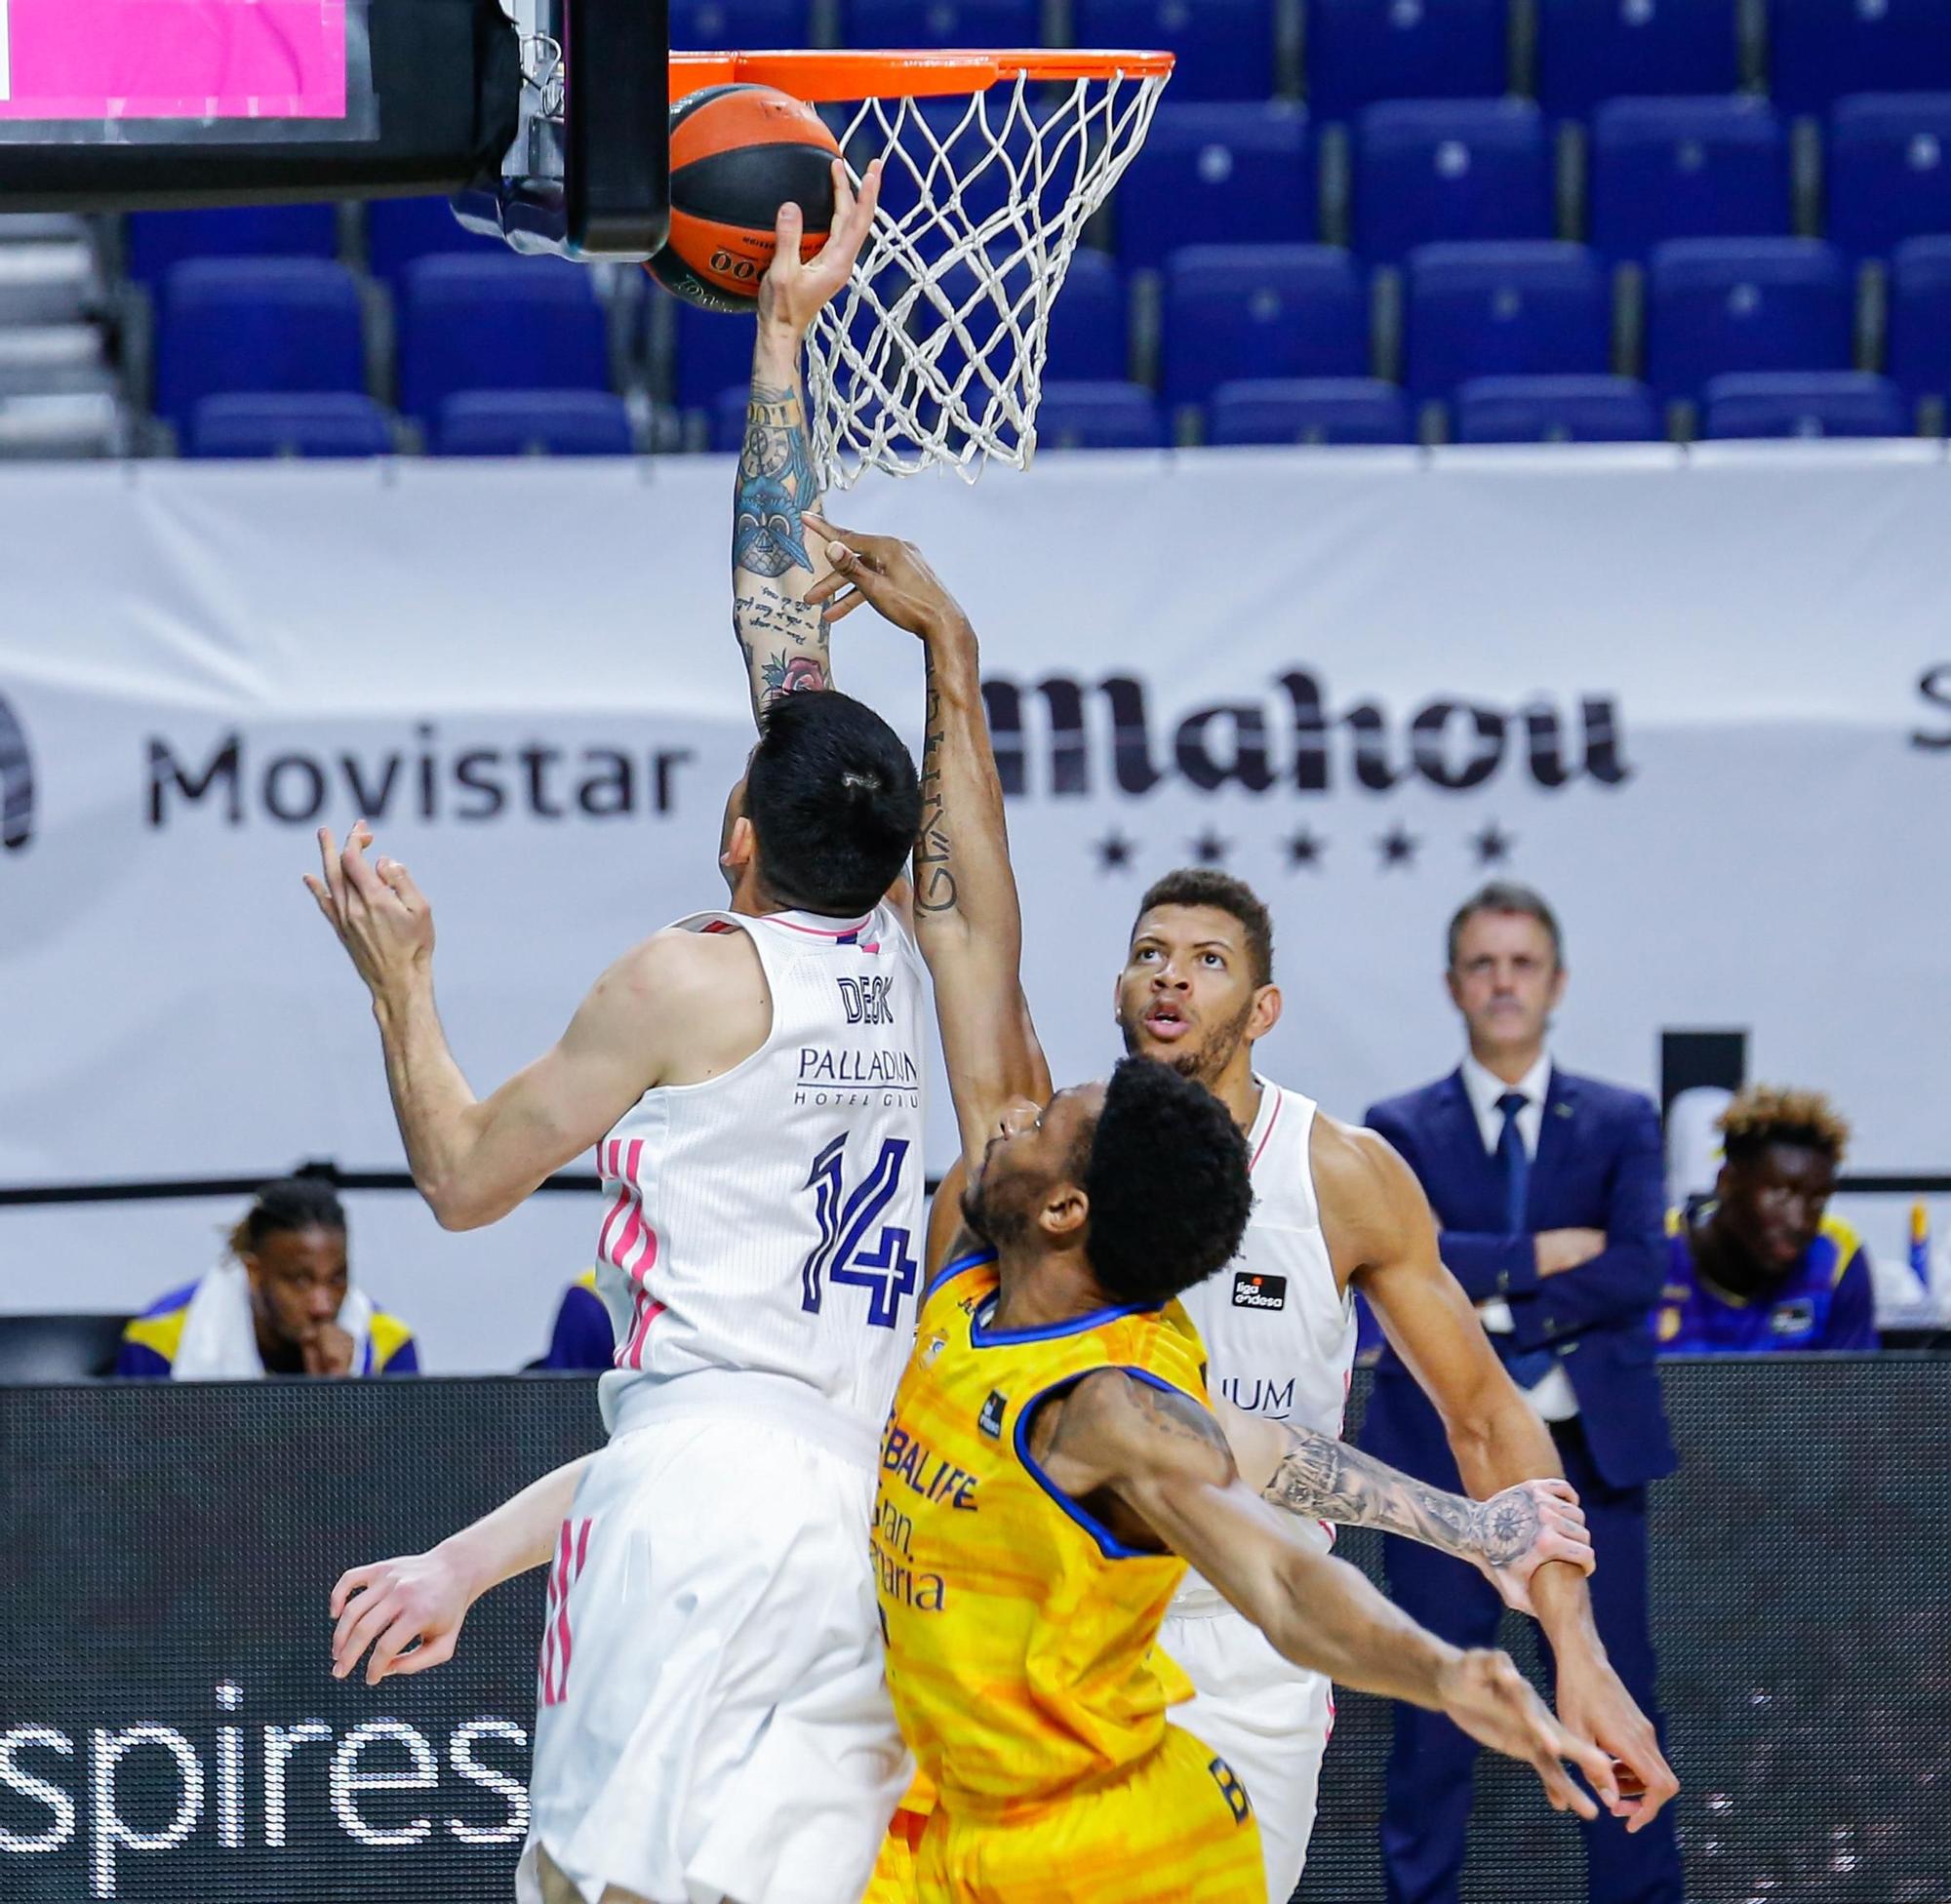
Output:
x=1552 y=1397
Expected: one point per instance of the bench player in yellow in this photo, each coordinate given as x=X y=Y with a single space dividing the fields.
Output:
x=1052 y=1460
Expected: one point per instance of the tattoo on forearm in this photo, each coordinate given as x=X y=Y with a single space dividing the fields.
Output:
x=1327 y=1479
x=775 y=485
x=784 y=642
x=934 y=856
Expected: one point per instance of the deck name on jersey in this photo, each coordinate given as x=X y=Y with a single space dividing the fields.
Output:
x=868 y=1001
x=925 y=1472
x=1250 y=1291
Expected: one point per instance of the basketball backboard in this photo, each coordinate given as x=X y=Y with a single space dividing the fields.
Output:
x=551 y=116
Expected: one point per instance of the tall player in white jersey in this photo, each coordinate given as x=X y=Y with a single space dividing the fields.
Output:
x=1334 y=1209
x=713 y=1719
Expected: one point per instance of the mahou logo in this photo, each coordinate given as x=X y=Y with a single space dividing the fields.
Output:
x=1291 y=736
x=17 y=783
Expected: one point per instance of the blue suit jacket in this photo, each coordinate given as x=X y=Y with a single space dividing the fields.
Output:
x=1598 y=1167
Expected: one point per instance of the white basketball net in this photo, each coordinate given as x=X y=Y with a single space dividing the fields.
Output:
x=934 y=354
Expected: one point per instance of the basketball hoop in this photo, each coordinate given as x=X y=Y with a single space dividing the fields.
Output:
x=993 y=162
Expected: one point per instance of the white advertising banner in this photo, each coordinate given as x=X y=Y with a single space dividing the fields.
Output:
x=1702 y=701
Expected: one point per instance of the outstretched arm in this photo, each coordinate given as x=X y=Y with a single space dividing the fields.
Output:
x=1380 y=1232
x=968 y=918
x=783 y=637
x=1160 y=1464
x=1319 y=1478
x=410 y=1611
x=475 y=1159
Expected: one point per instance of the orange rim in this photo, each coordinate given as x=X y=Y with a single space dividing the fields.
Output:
x=820 y=76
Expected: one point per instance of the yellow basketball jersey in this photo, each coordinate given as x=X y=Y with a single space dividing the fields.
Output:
x=1020 y=1631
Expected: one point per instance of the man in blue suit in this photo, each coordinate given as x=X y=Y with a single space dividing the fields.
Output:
x=1548 y=1195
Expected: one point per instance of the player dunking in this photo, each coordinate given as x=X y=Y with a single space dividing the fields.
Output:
x=713 y=1719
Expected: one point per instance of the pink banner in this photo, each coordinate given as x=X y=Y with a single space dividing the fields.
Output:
x=172 y=59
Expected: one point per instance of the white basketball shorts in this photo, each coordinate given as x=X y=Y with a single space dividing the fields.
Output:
x=1267 y=1717
x=712 y=1716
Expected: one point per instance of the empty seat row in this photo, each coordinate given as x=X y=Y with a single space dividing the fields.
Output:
x=1358 y=52
x=229 y=326
x=1427 y=171
x=468 y=423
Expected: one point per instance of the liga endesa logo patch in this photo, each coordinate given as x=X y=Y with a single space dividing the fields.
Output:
x=1250 y=1291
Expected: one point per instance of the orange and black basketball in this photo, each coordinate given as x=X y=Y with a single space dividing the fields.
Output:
x=738 y=154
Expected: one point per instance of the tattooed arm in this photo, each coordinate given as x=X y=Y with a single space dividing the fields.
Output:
x=968 y=918
x=1157 y=1469
x=782 y=636
x=1319 y=1478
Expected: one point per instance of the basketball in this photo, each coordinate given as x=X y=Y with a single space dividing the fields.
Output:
x=738 y=154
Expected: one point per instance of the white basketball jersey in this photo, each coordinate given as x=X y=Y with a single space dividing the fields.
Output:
x=770 y=1221
x=1280 y=1336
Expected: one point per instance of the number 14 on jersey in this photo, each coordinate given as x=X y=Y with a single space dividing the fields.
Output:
x=854 y=1246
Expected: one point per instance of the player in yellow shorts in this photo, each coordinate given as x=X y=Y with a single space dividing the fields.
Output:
x=1052 y=1461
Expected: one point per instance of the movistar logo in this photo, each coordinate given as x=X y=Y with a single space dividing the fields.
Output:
x=17 y=783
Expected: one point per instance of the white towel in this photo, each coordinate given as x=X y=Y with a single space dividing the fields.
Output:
x=219 y=1339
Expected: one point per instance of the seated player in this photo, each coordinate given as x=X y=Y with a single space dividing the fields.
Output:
x=281 y=1303
x=581 y=1338
x=1762 y=1264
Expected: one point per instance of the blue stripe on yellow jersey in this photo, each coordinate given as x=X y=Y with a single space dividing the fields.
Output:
x=1825 y=1300
x=151 y=1342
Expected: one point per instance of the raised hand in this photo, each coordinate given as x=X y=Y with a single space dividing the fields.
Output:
x=409 y=1611
x=381 y=917
x=883 y=569
x=795 y=291
x=1527 y=1526
x=1485 y=1695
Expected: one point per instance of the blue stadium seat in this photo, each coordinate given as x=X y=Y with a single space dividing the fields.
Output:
x=1362 y=51
x=739 y=25
x=1433 y=170
x=1308 y=409
x=399 y=230
x=1088 y=324
x=257 y=323
x=1593 y=50
x=1225 y=48
x=1554 y=410
x=1687 y=169
x=728 y=419
x=1889 y=170
x=533 y=424
x=1918 y=354
x=1261 y=311
x=1099 y=416
x=713 y=354
x=939 y=23
x=329 y=423
x=1820 y=50
x=1715 y=305
x=497 y=324
x=1806 y=403
x=156 y=240
x=1489 y=310
x=1218 y=175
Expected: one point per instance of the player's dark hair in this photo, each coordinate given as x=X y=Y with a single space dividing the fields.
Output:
x=1506 y=896
x=1166 y=1170
x=831 y=794
x=1200 y=886
x=288 y=1204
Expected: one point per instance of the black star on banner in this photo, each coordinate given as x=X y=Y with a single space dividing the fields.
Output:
x=1114 y=853
x=1306 y=848
x=1493 y=845
x=1209 y=849
x=1398 y=846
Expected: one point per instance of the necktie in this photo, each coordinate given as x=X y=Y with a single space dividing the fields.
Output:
x=1528 y=1366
